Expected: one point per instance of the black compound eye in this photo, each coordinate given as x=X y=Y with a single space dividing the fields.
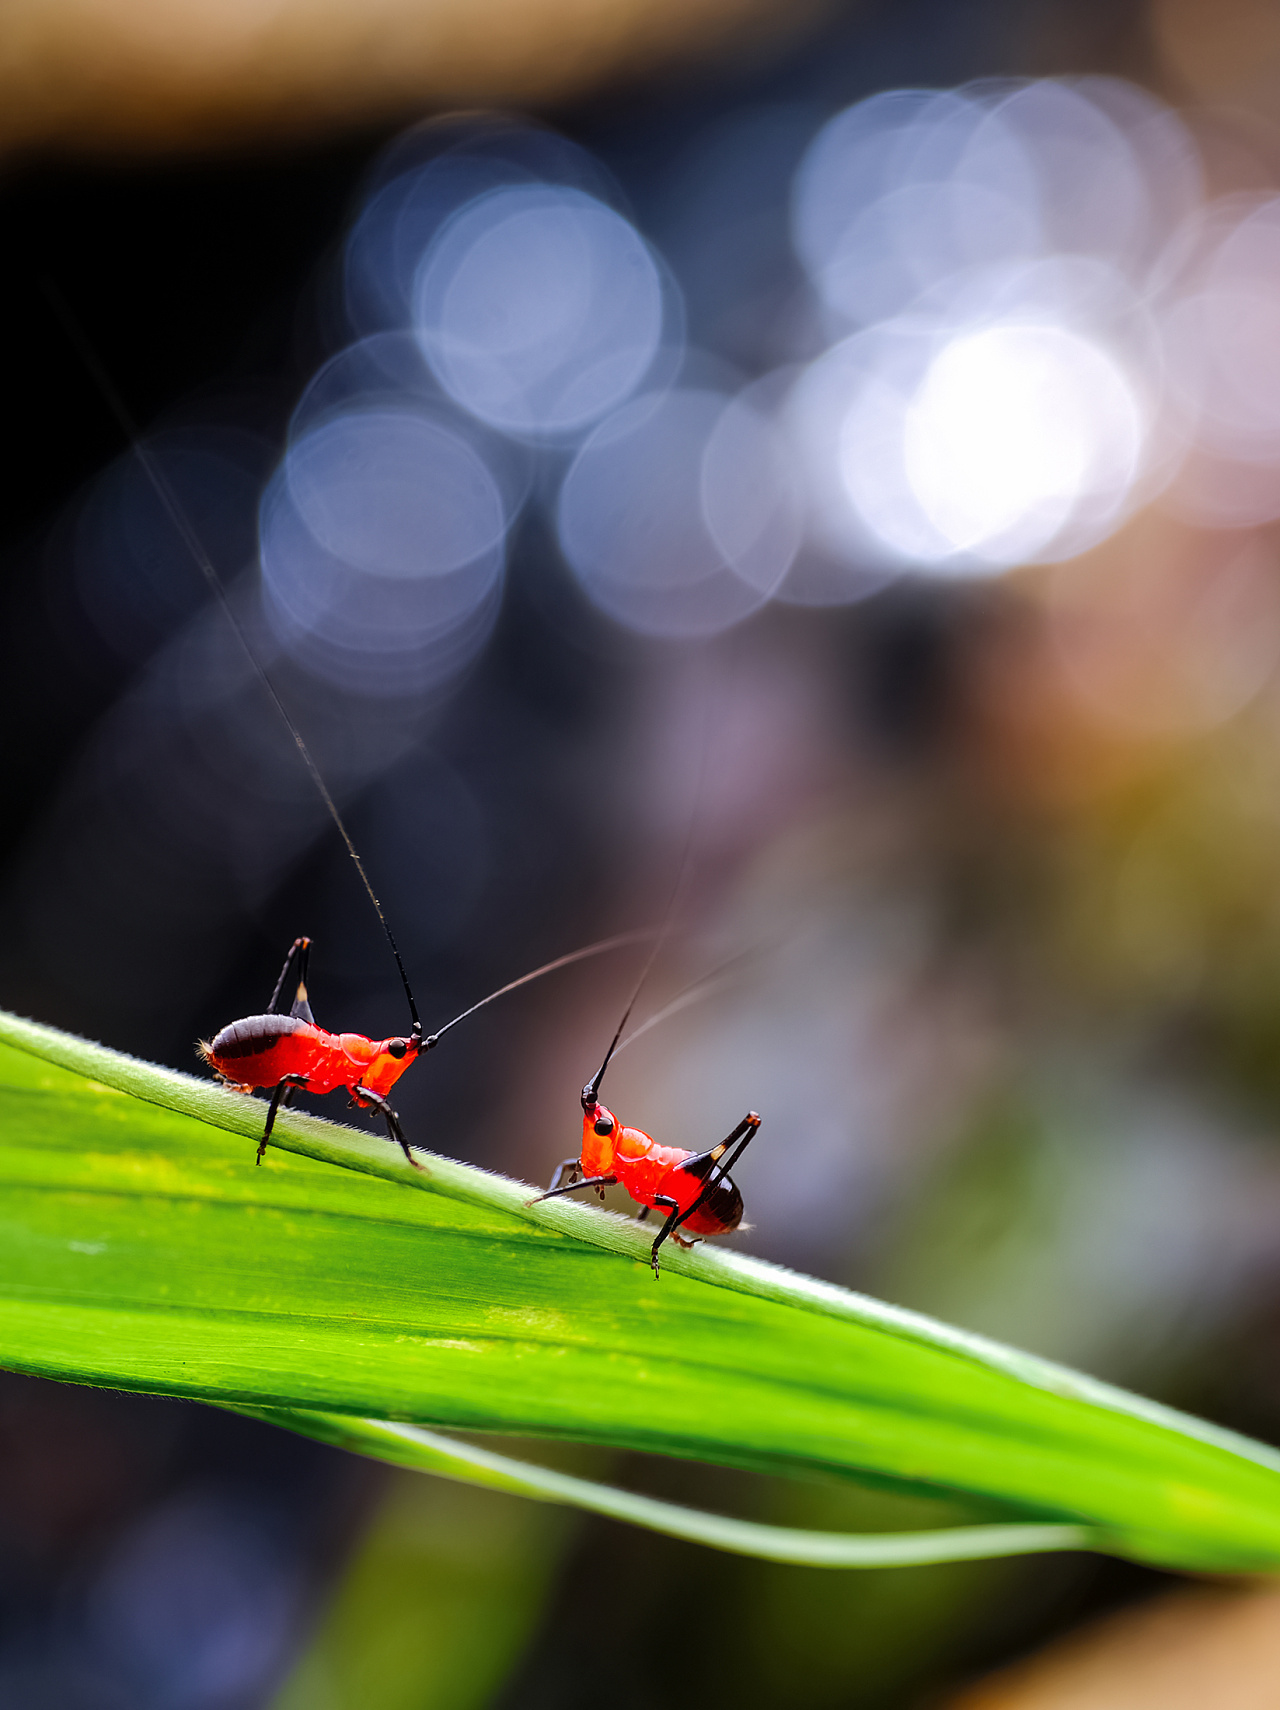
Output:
x=398 y=1047
x=603 y=1125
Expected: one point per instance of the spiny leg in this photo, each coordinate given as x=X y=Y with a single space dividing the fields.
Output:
x=598 y=1182
x=363 y=1096
x=570 y=1167
x=279 y=1093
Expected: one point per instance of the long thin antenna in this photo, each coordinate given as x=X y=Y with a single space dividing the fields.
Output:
x=690 y=994
x=590 y=1093
x=191 y=540
x=596 y=949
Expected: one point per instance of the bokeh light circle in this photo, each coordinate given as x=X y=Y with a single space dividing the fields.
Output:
x=751 y=501
x=845 y=416
x=644 y=514
x=395 y=493
x=964 y=447
x=426 y=176
x=382 y=548
x=539 y=309
x=1012 y=429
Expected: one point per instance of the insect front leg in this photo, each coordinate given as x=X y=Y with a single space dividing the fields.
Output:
x=573 y=1167
x=364 y=1097
x=279 y=1095
x=600 y=1183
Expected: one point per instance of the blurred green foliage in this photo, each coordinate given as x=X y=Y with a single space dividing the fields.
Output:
x=442 y=1595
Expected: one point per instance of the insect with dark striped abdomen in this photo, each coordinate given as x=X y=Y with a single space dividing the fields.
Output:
x=290 y=1053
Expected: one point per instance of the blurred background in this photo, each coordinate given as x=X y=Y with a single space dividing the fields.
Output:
x=844 y=443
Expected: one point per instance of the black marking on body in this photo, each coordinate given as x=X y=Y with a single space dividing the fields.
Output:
x=254 y=1035
x=724 y=1202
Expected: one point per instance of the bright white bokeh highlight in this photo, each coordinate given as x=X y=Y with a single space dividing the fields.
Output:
x=998 y=260
x=963 y=449
x=1020 y=322
x=539 y=309
x=1014 y=431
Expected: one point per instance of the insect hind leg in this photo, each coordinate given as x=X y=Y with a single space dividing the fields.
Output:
x=299 y=952
x=717 y=1172
x=740 y=1138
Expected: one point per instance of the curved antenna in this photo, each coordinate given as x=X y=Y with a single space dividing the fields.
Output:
x=690 y=994
x=596 y=949
x=191 y=540
x=591 y=1092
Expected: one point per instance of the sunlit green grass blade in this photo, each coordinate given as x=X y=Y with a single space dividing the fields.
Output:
x=140 y=1248
x=427 y=1451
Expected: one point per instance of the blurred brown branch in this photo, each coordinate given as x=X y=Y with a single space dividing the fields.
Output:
x=78 y=75
x=1209 y=1649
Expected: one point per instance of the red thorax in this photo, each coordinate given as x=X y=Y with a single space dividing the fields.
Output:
x=643 y=1168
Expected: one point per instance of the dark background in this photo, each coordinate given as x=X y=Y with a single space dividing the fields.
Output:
x=206 y=289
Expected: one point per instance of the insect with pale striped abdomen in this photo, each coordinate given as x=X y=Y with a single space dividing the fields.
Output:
x=290 y=1053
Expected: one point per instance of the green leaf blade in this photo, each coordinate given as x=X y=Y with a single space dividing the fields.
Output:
x=140 y=1247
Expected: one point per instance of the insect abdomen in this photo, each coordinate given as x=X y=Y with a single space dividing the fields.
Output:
x=260 y=1049
x=253 y=1035
x=719 y=1212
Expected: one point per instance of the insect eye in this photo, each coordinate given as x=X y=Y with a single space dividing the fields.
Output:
x=398 y=1047
x=604 y=1125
